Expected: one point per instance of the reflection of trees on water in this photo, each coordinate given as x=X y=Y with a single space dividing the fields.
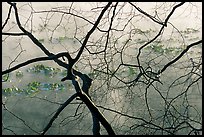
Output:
x=146 y=70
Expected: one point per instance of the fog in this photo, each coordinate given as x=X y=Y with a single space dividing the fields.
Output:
x=36 y=113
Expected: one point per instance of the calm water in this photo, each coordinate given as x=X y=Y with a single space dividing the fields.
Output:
x=187 y=16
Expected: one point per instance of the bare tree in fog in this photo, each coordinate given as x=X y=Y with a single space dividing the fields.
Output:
x=129 y=79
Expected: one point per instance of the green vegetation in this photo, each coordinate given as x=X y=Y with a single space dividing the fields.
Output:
x=189 y=30
x=19 y=74
x=34 y=87
x=41 y=40
x=131 y=71
x=5 y=77
x=48 y=71
x=159 y=48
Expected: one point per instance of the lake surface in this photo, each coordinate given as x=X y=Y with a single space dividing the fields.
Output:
x=37 y=109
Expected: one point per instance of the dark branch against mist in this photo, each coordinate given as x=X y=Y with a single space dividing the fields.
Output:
x=69 y=100
x=180 y=55
x=128 y=87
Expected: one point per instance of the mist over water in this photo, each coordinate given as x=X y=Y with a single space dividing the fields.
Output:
x=187 y=16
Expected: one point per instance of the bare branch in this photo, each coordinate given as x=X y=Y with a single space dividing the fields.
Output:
x=35 y=60
x=58 y=112
x=91 y=31
x=13 y=34
x=180 y=55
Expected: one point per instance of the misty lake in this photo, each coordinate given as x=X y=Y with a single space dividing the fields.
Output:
x=35 y=92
